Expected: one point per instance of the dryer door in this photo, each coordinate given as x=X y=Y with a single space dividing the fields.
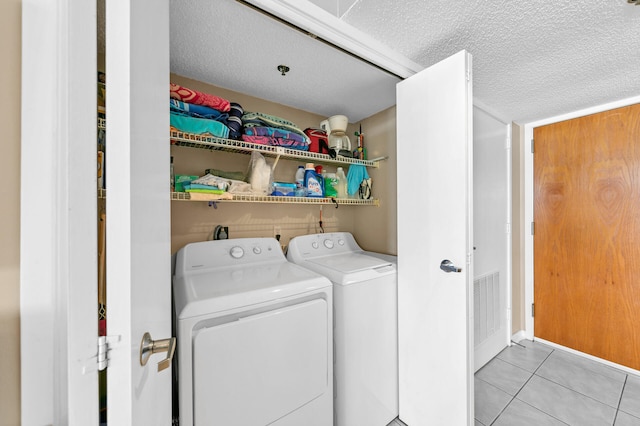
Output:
x=262 y=367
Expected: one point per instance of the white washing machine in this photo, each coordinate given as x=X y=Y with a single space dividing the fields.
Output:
x=365 y=325
x=254 y=336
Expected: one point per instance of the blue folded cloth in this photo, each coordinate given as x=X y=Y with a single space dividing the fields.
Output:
x=356 y=174
x=198 y=126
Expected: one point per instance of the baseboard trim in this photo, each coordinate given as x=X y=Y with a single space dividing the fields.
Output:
x=591 y=357
x=520 y=335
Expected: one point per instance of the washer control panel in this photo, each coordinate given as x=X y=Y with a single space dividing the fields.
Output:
x=307 y=246
x=221 y=253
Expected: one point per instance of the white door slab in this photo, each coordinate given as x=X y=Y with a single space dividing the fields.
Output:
x=138 y=208
x=491 y=236
x=435 y=211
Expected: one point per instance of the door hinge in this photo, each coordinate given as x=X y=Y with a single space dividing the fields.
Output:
x=100 y=360
x=532 y=147
x=533 y=309
x=533 y=228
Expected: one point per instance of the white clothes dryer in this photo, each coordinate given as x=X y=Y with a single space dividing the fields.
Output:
x=254 y=336
x=365 y=325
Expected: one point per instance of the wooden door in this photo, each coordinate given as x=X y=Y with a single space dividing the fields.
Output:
x=435 y=201
x=587 y=234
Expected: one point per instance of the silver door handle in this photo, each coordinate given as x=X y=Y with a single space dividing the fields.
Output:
x=148 y=346
x=447 y=266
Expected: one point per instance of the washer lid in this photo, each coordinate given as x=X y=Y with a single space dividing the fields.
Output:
x=241 y=286
x=350 y=268
x=348 y=263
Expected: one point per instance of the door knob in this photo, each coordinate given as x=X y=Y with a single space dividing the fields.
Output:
x=447 y=266
x=148 y=346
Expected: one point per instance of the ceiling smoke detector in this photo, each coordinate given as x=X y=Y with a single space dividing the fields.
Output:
x=283 y=69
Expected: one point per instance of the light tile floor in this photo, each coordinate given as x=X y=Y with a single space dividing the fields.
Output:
x=531 y=383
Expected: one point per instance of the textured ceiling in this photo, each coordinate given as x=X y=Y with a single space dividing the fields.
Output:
x=230 y=45
x=531 y=60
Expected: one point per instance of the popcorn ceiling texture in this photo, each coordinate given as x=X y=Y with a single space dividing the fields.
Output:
x=531 y=60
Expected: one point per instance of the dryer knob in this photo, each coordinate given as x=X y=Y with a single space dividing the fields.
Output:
x=341 y=242
x=314 y=244
x=328 y=244
x=236 y=252
x=257 y=250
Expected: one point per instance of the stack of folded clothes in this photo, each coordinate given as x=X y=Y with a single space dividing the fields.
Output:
x=203 y=113
x=267 y=129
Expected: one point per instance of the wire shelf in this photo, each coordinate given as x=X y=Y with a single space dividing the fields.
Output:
x=219 y=144
x=212 y=143
x=250 y=198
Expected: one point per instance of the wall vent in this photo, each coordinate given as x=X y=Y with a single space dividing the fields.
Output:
x=486 y=309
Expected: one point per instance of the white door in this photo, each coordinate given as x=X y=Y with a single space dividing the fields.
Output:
x=435 y=199
x=138 y=208
x=491 y=236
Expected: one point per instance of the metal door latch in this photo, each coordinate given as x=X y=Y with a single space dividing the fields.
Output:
x=148 y=346
x=448 y=266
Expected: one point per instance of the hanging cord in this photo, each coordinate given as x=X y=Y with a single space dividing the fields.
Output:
x=320 y=221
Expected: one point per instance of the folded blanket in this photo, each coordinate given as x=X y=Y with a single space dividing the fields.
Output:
x=198 y=126
x=198 y=111
x=270 y=140
x=198 y=98
x=259 y=119
x=274 y=132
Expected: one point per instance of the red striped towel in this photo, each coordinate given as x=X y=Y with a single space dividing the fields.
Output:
x=194 y=97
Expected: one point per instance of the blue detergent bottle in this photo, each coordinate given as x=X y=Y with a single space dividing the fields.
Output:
x=313 y=182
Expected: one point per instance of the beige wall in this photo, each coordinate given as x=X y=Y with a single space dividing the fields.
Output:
x=10 y=17
x=517 y=219
x=195 y=221
x=376 y=227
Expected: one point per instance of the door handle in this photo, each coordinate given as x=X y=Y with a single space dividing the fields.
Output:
x=447 y=266
x=148 y=347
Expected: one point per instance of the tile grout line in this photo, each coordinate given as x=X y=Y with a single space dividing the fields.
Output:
x=521 y=387
x=624 y=385
x=534 y=374
x=580 y=393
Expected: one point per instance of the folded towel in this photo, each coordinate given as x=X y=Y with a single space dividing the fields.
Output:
x=198 y=111
x=274 y=132
x=198 y=126
x=194 y=97
x=269 y=140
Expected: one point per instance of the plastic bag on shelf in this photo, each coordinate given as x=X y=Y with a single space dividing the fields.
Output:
x=260 y=174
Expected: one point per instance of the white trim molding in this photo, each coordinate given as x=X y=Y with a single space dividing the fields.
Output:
x=58 y=211
x=319 y=22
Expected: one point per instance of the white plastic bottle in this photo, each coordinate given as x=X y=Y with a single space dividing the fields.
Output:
x=342 y=183
x=300 y=189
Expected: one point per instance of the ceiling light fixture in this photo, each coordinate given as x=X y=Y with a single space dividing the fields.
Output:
x=283 y=69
